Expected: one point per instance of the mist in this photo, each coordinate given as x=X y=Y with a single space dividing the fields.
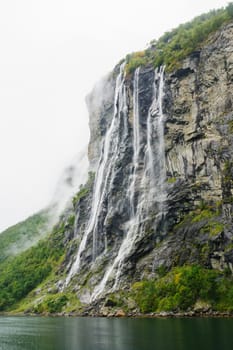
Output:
x=73 y=176
x=68 y=185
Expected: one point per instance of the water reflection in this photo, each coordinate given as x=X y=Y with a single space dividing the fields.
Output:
x=40 y=333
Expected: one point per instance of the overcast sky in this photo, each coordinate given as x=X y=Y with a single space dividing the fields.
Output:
x=51 y=54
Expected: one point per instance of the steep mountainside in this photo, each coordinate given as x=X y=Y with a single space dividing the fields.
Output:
x=152 y=228
x=25 y=234
x=162 y=195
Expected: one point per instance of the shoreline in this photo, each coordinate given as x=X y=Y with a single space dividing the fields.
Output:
x=121 y=314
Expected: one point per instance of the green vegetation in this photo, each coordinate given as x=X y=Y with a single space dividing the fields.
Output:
x=55 y=303
x=203 y=214
x=227 y=182
x=209 y=215
x=84 y=189
x=21 y=274
x=22 y=235
x=136 y=59
x=177 y=44
x=81 y=194
x=52 y=303
x=230 y=126
x=182 y=287
x=171 y=180
x=70 y=220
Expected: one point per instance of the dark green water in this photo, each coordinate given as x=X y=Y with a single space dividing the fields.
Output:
x=40 y=333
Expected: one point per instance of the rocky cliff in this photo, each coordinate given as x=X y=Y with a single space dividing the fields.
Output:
x=161 y=154
x=157 y=206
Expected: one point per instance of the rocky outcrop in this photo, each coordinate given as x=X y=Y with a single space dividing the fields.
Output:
x=161 y=151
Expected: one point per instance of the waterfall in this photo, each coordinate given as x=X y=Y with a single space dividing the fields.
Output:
x=155 y=155
x=151 y=184
x=145 y=188
x=107 y=159
x=131 y=189
x=136 y=142
x=109 y=154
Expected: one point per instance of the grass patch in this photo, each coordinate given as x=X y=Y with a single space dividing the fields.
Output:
x=52 y=304
x=208 y=215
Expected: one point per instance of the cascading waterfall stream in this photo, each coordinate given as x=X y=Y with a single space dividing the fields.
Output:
x=152 y=182
x=131 y=190
x=154 y=175
x=136 y=142
x=102 y=176
x=161 y=146
x=110 y=148
x=125 y=113
x=155 y=154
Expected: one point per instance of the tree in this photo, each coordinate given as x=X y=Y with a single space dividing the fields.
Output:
x=229 y=9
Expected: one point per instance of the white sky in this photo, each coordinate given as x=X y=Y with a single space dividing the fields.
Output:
x=51 y=54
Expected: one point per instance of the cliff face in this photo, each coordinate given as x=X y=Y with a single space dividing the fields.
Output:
x=160 y=191
x=198 y=107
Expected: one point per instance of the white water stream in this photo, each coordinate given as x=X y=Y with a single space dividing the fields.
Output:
x=146 y=185
x=102 y=177
x=151 y=188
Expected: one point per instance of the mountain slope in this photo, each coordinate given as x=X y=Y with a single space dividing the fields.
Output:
x=20 y=237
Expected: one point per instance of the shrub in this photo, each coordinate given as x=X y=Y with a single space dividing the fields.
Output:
x=177 y=44
x=52 y=304
x=135 y=60
x=178 y=290
x=145 y=295
x=84 y=190
x=229 y=10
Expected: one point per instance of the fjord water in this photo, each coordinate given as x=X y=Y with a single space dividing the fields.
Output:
x=60 y=333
